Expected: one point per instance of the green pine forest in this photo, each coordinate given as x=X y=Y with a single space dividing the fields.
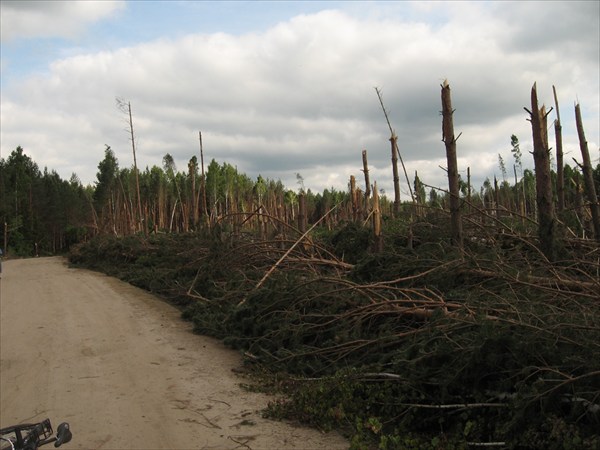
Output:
x=460 y=317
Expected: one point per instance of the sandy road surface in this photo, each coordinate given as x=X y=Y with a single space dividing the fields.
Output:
x=123 y=369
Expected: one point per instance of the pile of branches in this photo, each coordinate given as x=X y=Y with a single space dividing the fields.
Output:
x=428 y=347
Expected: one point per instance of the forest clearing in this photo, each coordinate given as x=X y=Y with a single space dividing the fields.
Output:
x=458 y=319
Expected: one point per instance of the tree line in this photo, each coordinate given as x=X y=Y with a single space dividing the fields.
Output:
x=40 y=213
x=44 y=214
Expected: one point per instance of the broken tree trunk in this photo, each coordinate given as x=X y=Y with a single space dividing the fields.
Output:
x=497 y=197
x=469 y=203
x=378 y=239
x=394 y=141
x=354 y=198
x=192 y=167
x=450 y=141
x=588 y=175
x=396 y=144
x=366 y=172
x=367 y=182
x=302 y=218
x=543 y=180
x=560 y=177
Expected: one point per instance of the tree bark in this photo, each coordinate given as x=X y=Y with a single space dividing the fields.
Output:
x=560 y=177
x=394 y=141
x=588 y=175
x=302 y=217
x=378 y=239
x=497 y=198
x=469 y=189
x=202 y=180
x=365 y=170
x=395 y=146
x=354 y=198
x=450 y=141
x=543 y=180
x=140 y=222
x=193 y=200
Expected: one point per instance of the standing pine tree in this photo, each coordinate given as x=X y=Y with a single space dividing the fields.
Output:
x=106 y=190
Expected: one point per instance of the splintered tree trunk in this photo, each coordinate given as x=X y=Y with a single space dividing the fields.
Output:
x=193 y=200
x=560 y=177
x=302 y=217
x=367 y=182
x=378 y=239
x=394 y=141
x=354 y=198
x=469 y=188
x=395 y=149
x=588 y=175
x=543 y=181
x=450 y=141
x=579 y=206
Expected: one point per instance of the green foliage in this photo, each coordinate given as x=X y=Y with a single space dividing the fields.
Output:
x=502 y=166
x=516 y=151
x=419 y=346
x=501 y=361
x=38 y=209
x=108 y=170
x=351 y=242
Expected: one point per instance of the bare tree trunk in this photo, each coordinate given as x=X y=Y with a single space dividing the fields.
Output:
x=378 y=244
x=450 y=141
x=588 y=175
x=396 y=144
x=354 y=198
x=140 y=225
x=367 y=182
x=579 y=212
x=193 y=200
x=560 y=177
x=203 y=180
x=302 y=218
x=543 y=180
x=469 y=188
x=394 y=141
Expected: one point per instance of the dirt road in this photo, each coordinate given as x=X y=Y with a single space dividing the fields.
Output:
x=123 y=369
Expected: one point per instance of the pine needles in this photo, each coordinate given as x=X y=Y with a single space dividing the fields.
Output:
x=432 y=347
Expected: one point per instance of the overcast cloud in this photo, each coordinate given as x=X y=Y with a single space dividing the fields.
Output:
x=295 y=94
x=28 y=19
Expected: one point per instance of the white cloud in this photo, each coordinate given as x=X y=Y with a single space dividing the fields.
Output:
x=299 y=97
x=29 y=19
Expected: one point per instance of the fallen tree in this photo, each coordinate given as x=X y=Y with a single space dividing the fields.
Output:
x=432 y=347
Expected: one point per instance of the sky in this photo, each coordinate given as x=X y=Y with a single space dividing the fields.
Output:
x=281 y=89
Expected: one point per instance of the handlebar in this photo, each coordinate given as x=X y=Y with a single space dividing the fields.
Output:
x=33 y=435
